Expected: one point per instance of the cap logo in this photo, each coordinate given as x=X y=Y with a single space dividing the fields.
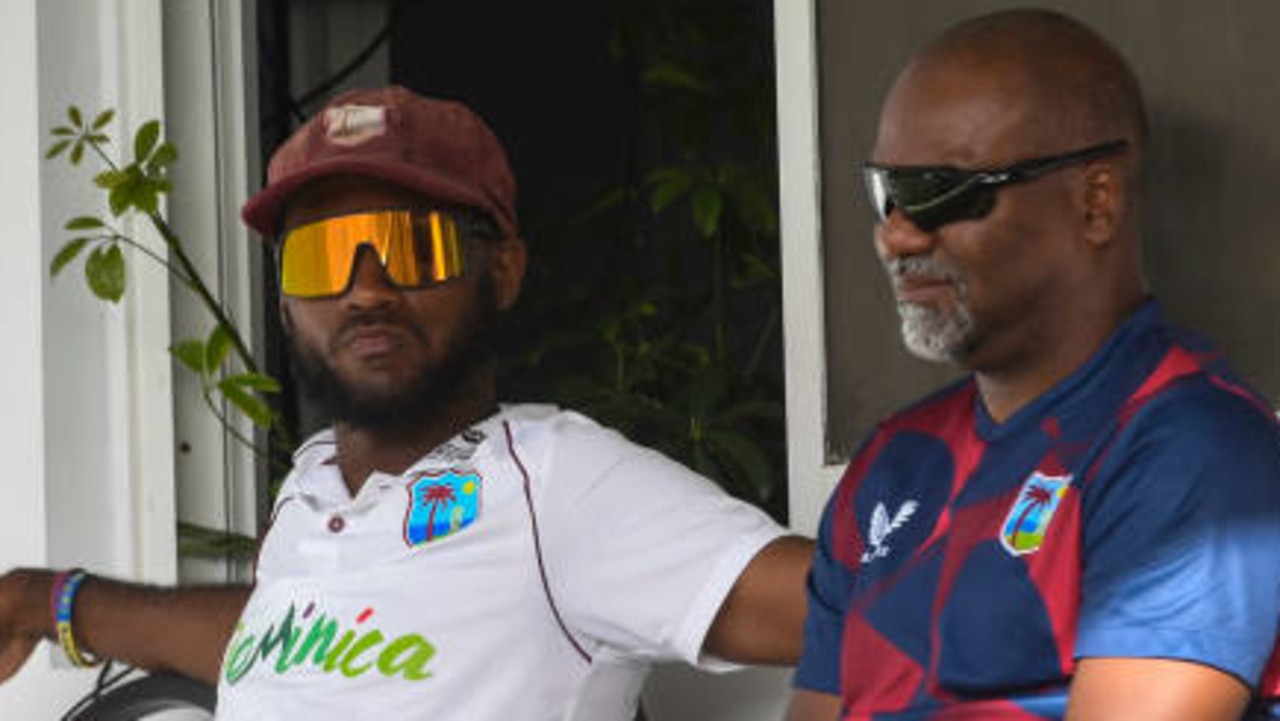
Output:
x=349 y=125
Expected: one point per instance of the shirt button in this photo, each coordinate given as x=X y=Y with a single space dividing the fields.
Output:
x=336 y=524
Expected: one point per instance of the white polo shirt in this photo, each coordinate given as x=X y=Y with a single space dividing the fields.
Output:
x=424 y=598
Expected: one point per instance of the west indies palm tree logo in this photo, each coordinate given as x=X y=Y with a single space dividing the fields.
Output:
x=441 y=504
x=1028 y=520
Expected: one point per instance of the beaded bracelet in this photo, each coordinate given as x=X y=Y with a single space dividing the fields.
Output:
x=62 y=597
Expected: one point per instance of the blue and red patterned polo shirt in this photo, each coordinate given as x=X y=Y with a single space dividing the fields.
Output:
x=964 y=565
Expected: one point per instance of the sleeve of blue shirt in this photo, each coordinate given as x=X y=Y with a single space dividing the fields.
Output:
x=830 y=587
x=1182 y=535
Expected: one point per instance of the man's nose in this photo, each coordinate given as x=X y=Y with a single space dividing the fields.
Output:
x=897 y=236
x=369 y=282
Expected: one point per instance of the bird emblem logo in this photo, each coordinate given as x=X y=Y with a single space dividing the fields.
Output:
x=882 y=525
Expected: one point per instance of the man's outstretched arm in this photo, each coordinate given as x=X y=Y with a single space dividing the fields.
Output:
x=762 y=620
x=1152 y=689
x=177 y=629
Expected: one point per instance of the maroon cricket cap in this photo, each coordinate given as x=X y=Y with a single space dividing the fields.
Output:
x=439 y=148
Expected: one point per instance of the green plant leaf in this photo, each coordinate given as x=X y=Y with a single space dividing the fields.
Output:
x=119 y=199
x=63 y=131
x=77 y=152
x=109 y=179
x=66 y=254
x=752 y=269
x=253 y=407
x=164 y=156
x=668 y=186
x=254 y=381
x=217 y=348
x=83 y=222
x=145 y=140
x=105 y=272
x=128 y=193
x=707 y=205
x=146 y=197
x=130 y=189
x=56 y=149
x=671 y=74
x=189 y=353
x=103 y=118
x=73 y=114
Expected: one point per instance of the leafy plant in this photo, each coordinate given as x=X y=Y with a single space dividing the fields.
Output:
x=134 y=190
x=661 y=303
x=222 y=361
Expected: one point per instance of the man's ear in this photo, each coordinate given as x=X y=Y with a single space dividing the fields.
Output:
x=507 y=261
x=1104 y=202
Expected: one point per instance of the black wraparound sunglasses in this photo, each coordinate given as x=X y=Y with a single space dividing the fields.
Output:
x=933 y=195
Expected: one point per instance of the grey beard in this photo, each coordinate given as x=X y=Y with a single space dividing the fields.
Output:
x=939 y=335
x=936 y=335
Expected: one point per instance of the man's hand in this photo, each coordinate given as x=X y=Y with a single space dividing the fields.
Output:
x=24 y=617
x=762 y=620
x=1149 y=689
x=176 y=629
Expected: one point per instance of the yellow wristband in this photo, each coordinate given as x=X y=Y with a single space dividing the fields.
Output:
x=63 y=596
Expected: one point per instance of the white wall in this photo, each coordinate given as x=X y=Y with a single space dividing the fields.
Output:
x=106 y=385
x=23 y=537
x=86 y=427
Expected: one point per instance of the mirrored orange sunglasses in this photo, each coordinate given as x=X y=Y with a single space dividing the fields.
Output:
x=417 y=249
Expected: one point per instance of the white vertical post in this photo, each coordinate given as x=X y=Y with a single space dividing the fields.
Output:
x=810 y=478
x=140 y=87
x=209 y=113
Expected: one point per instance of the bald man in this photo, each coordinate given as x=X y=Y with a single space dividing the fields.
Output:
x=1088 y=524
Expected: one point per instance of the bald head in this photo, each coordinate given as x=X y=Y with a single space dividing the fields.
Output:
x=1075 y=86
x=1043 y=262
x=1016 y=85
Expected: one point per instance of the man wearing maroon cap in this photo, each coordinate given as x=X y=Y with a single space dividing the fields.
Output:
x=435 y=554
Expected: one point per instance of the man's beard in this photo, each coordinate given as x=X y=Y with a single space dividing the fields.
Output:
x=941 y=334
x=424 y=395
